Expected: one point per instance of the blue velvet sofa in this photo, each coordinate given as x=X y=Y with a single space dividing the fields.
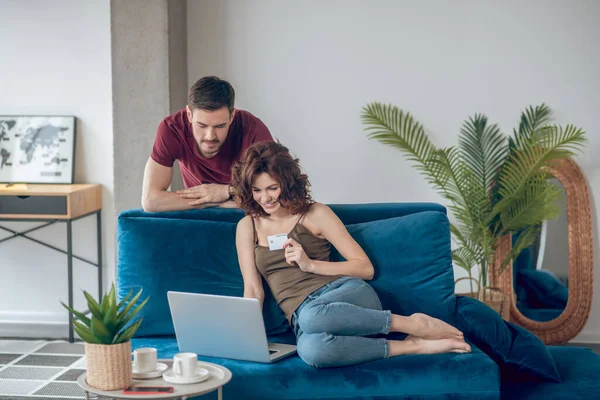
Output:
x=409 y=245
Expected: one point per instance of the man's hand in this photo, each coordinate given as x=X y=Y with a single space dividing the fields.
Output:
x=208 y=193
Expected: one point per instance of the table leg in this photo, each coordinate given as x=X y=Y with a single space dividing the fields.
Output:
x=70 y=276
x=99 y=247
x=220 y=393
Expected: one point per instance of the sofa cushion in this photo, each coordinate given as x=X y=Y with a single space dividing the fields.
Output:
x=519 y=353
x=440 y=376
x=412 y=260
x=579 y=369
x=198 y=256
x=543 y=289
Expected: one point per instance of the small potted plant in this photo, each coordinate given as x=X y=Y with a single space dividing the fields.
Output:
x=107 y=337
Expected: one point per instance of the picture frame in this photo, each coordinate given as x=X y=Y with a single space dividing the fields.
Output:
x=37 y=149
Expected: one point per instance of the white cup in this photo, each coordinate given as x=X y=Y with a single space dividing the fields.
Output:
x=144 y=359
x=184 y=364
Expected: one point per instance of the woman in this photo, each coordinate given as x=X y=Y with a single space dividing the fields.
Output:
x=332 y=310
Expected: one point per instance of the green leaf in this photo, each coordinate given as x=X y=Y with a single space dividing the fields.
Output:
x=111 y=317
x=530 y=155
x=85 y=333
x=394 y=127
x=461 y=187
x=100 y=331
x=78 y=315
x=525 y=239
x=483 y=149
x=123 y=314
x=110 y=314
x=93 y=306
x=124 y=321
x=125 y=299
x=536 y=204
x=460 y=261
x=532 y=119
x=128 y=333
x=104 y=304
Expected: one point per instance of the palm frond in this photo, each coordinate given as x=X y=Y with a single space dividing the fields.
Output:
x=463 y=259
x=483 y=149
x=459 y=188
x=525 y=239
x=537 y=203
x=532 y=119
x=392 y=126
x=565 y=142
x=470 y=250
x=532 y=154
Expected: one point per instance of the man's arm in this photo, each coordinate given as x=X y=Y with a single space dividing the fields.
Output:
x=155 y=196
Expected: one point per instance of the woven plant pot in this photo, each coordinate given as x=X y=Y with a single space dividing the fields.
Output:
x=494 y=298
x=108 y=365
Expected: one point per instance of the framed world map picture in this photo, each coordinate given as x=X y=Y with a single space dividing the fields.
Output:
x=37 y=149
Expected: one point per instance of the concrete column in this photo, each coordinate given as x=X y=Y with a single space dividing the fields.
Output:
x=178 y=71
x=147 y=85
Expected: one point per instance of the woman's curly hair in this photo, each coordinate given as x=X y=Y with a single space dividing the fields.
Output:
x=275 y=160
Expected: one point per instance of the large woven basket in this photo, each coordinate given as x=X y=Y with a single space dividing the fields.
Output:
x=492 y=297
x=108 y=365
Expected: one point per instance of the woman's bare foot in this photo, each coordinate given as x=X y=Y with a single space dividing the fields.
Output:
x=416 y=345
x=425 y=327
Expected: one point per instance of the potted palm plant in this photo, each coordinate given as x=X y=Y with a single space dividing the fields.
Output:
x=107 y=337
x=495 y=185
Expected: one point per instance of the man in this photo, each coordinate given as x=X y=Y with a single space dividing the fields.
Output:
x=206 y=137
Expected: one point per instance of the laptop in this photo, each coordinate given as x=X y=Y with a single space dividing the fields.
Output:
x=223 y=326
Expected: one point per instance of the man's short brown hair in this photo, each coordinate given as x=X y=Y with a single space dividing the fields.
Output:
x=211 y=93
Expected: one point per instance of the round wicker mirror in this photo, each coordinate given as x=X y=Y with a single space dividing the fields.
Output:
x=580 y=275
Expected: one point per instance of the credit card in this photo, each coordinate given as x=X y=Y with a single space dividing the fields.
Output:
x=276 y=241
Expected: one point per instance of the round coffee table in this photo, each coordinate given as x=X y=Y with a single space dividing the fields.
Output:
x=219 y=376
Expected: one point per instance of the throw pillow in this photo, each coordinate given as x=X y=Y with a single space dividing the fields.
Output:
x=412 y=260
x=520 y=355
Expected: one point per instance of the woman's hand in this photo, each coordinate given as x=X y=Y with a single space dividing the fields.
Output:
x=295 y=255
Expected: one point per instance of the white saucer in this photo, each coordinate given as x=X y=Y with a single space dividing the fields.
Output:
x=160 y=368
x=200 y=376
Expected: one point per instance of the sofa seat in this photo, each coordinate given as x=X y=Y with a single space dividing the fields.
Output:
x=579 y=369
x=442 y=376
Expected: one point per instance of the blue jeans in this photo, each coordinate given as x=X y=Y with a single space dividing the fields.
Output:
x=333 y=324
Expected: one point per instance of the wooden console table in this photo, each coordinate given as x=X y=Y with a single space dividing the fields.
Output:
x=52 y=204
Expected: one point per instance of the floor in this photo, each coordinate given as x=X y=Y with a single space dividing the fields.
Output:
x=40 y=369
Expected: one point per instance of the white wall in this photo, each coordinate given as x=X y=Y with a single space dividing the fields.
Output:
x=57 y=60
x=307 y=68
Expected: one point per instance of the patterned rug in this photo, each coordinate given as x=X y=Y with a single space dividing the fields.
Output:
x=40 y=369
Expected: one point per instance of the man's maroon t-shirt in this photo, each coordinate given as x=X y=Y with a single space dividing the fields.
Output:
x=175 y=141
